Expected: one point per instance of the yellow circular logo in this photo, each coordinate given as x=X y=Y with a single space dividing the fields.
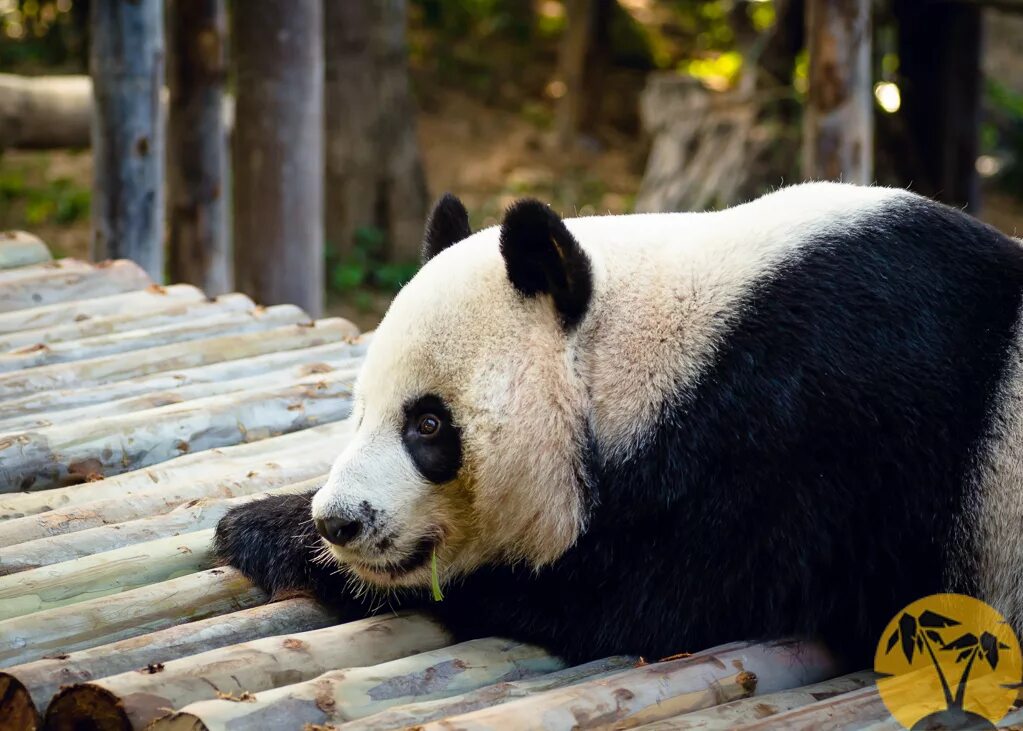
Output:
x=948 y=661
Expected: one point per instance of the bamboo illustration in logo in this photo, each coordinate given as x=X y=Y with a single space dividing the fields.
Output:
x=948 y=661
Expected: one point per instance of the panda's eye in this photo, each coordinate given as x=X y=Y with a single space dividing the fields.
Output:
x=428 y=425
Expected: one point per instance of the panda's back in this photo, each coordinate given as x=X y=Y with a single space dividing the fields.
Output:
x=844 y=388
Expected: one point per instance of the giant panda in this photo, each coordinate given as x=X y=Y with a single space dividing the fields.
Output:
x=650 y=434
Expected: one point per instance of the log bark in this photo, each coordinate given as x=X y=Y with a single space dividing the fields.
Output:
x=412 y=714
x=658 y=691
x=151 y=299
x=189 y=517
x=156 y=399
x=303 y=360
x=43 y=271
x=233 y=319
x=277 y=153
x=44 y=112
x=126 y=62
x=197 y=145
x=172 y=357
x=209 y=470
x=748 y=710
x=129 y=614
x=135 y=698
x=90 y=327
x=28 y=688
x=59 y=286
x=341 y=695
x=838 y=122
x=856 y=709
x=20 y=249
x=67 y=454
x=102 y=574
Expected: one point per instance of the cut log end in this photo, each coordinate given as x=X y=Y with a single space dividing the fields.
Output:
x=16 y=707
x=85 y=706
x=179 y=722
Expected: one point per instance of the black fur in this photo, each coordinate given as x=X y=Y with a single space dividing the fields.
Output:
x=448 y=224
x=542 y=257
x=806 y=486
x=438 y=457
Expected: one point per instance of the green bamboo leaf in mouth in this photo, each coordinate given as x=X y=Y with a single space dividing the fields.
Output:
x=438 y=595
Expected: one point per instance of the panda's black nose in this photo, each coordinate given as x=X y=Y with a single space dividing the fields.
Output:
x=339 y=531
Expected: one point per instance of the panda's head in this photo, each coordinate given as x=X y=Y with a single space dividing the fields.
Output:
x=470 y=417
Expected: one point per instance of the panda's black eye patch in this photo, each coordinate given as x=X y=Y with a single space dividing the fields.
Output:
x=432 y=439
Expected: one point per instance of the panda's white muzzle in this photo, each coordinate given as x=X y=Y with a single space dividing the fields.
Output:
x=369 y=513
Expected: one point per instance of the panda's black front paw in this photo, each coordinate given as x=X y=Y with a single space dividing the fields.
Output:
x=272 y=541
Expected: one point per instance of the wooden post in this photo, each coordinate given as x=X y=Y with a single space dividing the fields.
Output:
x=126 y=63
x=197 y=145
x=572 y=68
x=277 y=154
x=838 y=126
x=373 y=169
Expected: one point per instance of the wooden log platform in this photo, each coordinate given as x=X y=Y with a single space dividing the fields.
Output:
x=132 y=416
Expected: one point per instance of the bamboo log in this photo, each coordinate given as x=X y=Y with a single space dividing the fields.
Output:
x=133 y=699
x=65 y=454
x=176 y=313
x=129 y=614
x=352 y=693
x=653 y=692
x=172 y=357
x=336 y=354
x=748 y=710
x=106 y=278
x=21 y=249
x=150 y=299
x=156 y=399
x=243 y=462
x=193 y=516
x=231 y=320
x=411 y=714
x=26 y=689
x=102 y=574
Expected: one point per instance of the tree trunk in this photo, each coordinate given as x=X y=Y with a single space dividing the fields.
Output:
x=150 y=299
x=126 y=63
x=137 y=699
x=62 y=284
x=373 y=170
x=44 y=112
x=747 y=710
x=30 y=686
x=217 y=472
x=941 y=84
x=657 y=691
x=351 y=693
x=128 y=614
x=278 y=153
x=838 y=123
x=572 y=56
x=195 y=515
x=197 y=145
x=192 y=354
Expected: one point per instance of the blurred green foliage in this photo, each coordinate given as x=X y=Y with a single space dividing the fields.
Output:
x=366 y=268
x=28 y=195
x=44 y=35
x=1002 y=134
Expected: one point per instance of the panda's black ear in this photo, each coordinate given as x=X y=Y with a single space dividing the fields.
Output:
x=542 y=257
x=448 y=224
